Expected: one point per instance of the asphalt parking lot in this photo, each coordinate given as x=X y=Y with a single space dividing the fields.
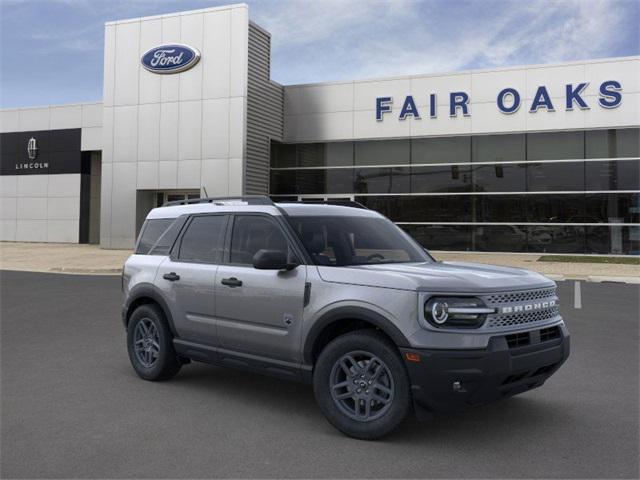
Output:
x=72 y=406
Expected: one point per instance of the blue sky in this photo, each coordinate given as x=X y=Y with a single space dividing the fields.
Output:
x=51 y=50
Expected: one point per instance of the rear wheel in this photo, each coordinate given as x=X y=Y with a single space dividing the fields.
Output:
x=150 y=344
x=361 y=385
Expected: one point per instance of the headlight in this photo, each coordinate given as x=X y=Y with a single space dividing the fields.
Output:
x=459 y=312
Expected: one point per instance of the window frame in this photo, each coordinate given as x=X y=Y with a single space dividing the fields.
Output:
x=174 y=254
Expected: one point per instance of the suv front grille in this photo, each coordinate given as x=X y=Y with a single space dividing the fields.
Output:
x=518 y=297
x=514 y=309
x=510 y=320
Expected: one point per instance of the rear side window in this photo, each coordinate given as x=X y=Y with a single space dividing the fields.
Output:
x=203 y=240
x=151 y=232
x=167 y=239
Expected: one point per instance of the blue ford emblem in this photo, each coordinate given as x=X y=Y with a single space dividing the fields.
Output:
x=172 y=58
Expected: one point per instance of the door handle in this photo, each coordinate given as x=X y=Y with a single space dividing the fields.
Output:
x=231 y=282
x=172 y=277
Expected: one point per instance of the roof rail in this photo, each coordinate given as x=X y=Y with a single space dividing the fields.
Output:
x=341 y=203
x=249 y=199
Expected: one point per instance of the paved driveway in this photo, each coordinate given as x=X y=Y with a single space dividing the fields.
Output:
x=72 y=407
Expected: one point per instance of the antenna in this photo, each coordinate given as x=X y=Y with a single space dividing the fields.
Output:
x=204 y=189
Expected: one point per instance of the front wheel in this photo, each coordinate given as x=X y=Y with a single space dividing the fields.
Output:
x=150 y=344
x=361 y=385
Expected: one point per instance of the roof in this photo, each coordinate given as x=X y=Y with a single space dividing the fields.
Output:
x=294 y=209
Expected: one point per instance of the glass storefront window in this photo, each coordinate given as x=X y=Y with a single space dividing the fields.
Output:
x=567 y=208
x=500 y=238
x=283 y=155
x=421 y=208
x=382 y=152
x=613 y=240
x=556 y=239
x=562 y=176
x=445 y=178
x=499 y=208
x=499 y=178
x=612 y=143
x=613 y=175
x=499 y=148
x=555 y=145
x=441 y=237
x=440 y=150
x=382 y=180
x=613 y=207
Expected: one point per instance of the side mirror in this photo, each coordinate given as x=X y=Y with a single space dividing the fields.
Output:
x=272 y=260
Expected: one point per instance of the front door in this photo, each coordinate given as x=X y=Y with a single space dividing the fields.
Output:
x=259 y=311
x=188 y=278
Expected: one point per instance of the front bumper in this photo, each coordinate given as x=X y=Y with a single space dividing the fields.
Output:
x=452 y=380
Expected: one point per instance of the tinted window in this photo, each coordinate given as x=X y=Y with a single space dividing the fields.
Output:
x=151 y=233
x=499 y=148
x=382 y=152
x=382 y=180
x=349 y=240
x=562 y=176
x=500 y=208
x=555 y=145
x=615 y=240
x=445 y=178
x=422 y=208
x=283 y=155
x=613 y=208
x=167 y=239
x=556 y=239
x=203 y=239
x=613 y=175
x=252 y=233
x=613 y=143
x=441 y=237
x=555 y=208
x=500 y=238
x=441 y=150
x=499 y=178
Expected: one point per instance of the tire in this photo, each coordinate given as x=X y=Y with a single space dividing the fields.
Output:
x=156 y=358
x=366 y=407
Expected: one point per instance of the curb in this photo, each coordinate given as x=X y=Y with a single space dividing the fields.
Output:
x=593 y=278
x=93 y=271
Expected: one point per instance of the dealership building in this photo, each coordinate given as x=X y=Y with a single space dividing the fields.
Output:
x=541 y=158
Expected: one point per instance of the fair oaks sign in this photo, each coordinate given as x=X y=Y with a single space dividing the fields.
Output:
x=508 y=100
x=173 y=58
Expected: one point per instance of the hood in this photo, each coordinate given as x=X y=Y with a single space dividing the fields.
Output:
x=460 y=277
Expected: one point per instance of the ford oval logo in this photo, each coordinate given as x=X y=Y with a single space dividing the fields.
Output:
x=171 y=58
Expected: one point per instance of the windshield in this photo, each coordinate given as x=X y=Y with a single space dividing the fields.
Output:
x=343 y=241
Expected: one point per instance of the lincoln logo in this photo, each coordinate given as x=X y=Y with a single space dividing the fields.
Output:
x=529 y=307
x=170 y=58
x=32 y=149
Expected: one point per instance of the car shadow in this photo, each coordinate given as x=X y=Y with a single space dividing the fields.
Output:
x=507 y=418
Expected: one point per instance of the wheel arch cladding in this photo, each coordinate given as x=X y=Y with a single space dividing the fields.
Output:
x=343 y=320
x=144 y=295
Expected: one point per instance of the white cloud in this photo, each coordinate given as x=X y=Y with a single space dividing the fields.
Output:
x=325 y=40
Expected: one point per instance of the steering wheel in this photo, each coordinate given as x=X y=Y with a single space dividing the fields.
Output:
x=374 y=256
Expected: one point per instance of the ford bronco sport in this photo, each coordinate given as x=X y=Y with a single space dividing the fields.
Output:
x=340 y=297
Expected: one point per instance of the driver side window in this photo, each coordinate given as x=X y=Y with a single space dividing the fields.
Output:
x=252 y=233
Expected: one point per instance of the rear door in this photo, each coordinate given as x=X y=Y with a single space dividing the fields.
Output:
x=259 y=311
x=187 y=277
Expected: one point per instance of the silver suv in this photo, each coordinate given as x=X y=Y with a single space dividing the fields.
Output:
x=339 y=297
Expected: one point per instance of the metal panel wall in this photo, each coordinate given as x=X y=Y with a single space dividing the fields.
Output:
x=265 y=112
